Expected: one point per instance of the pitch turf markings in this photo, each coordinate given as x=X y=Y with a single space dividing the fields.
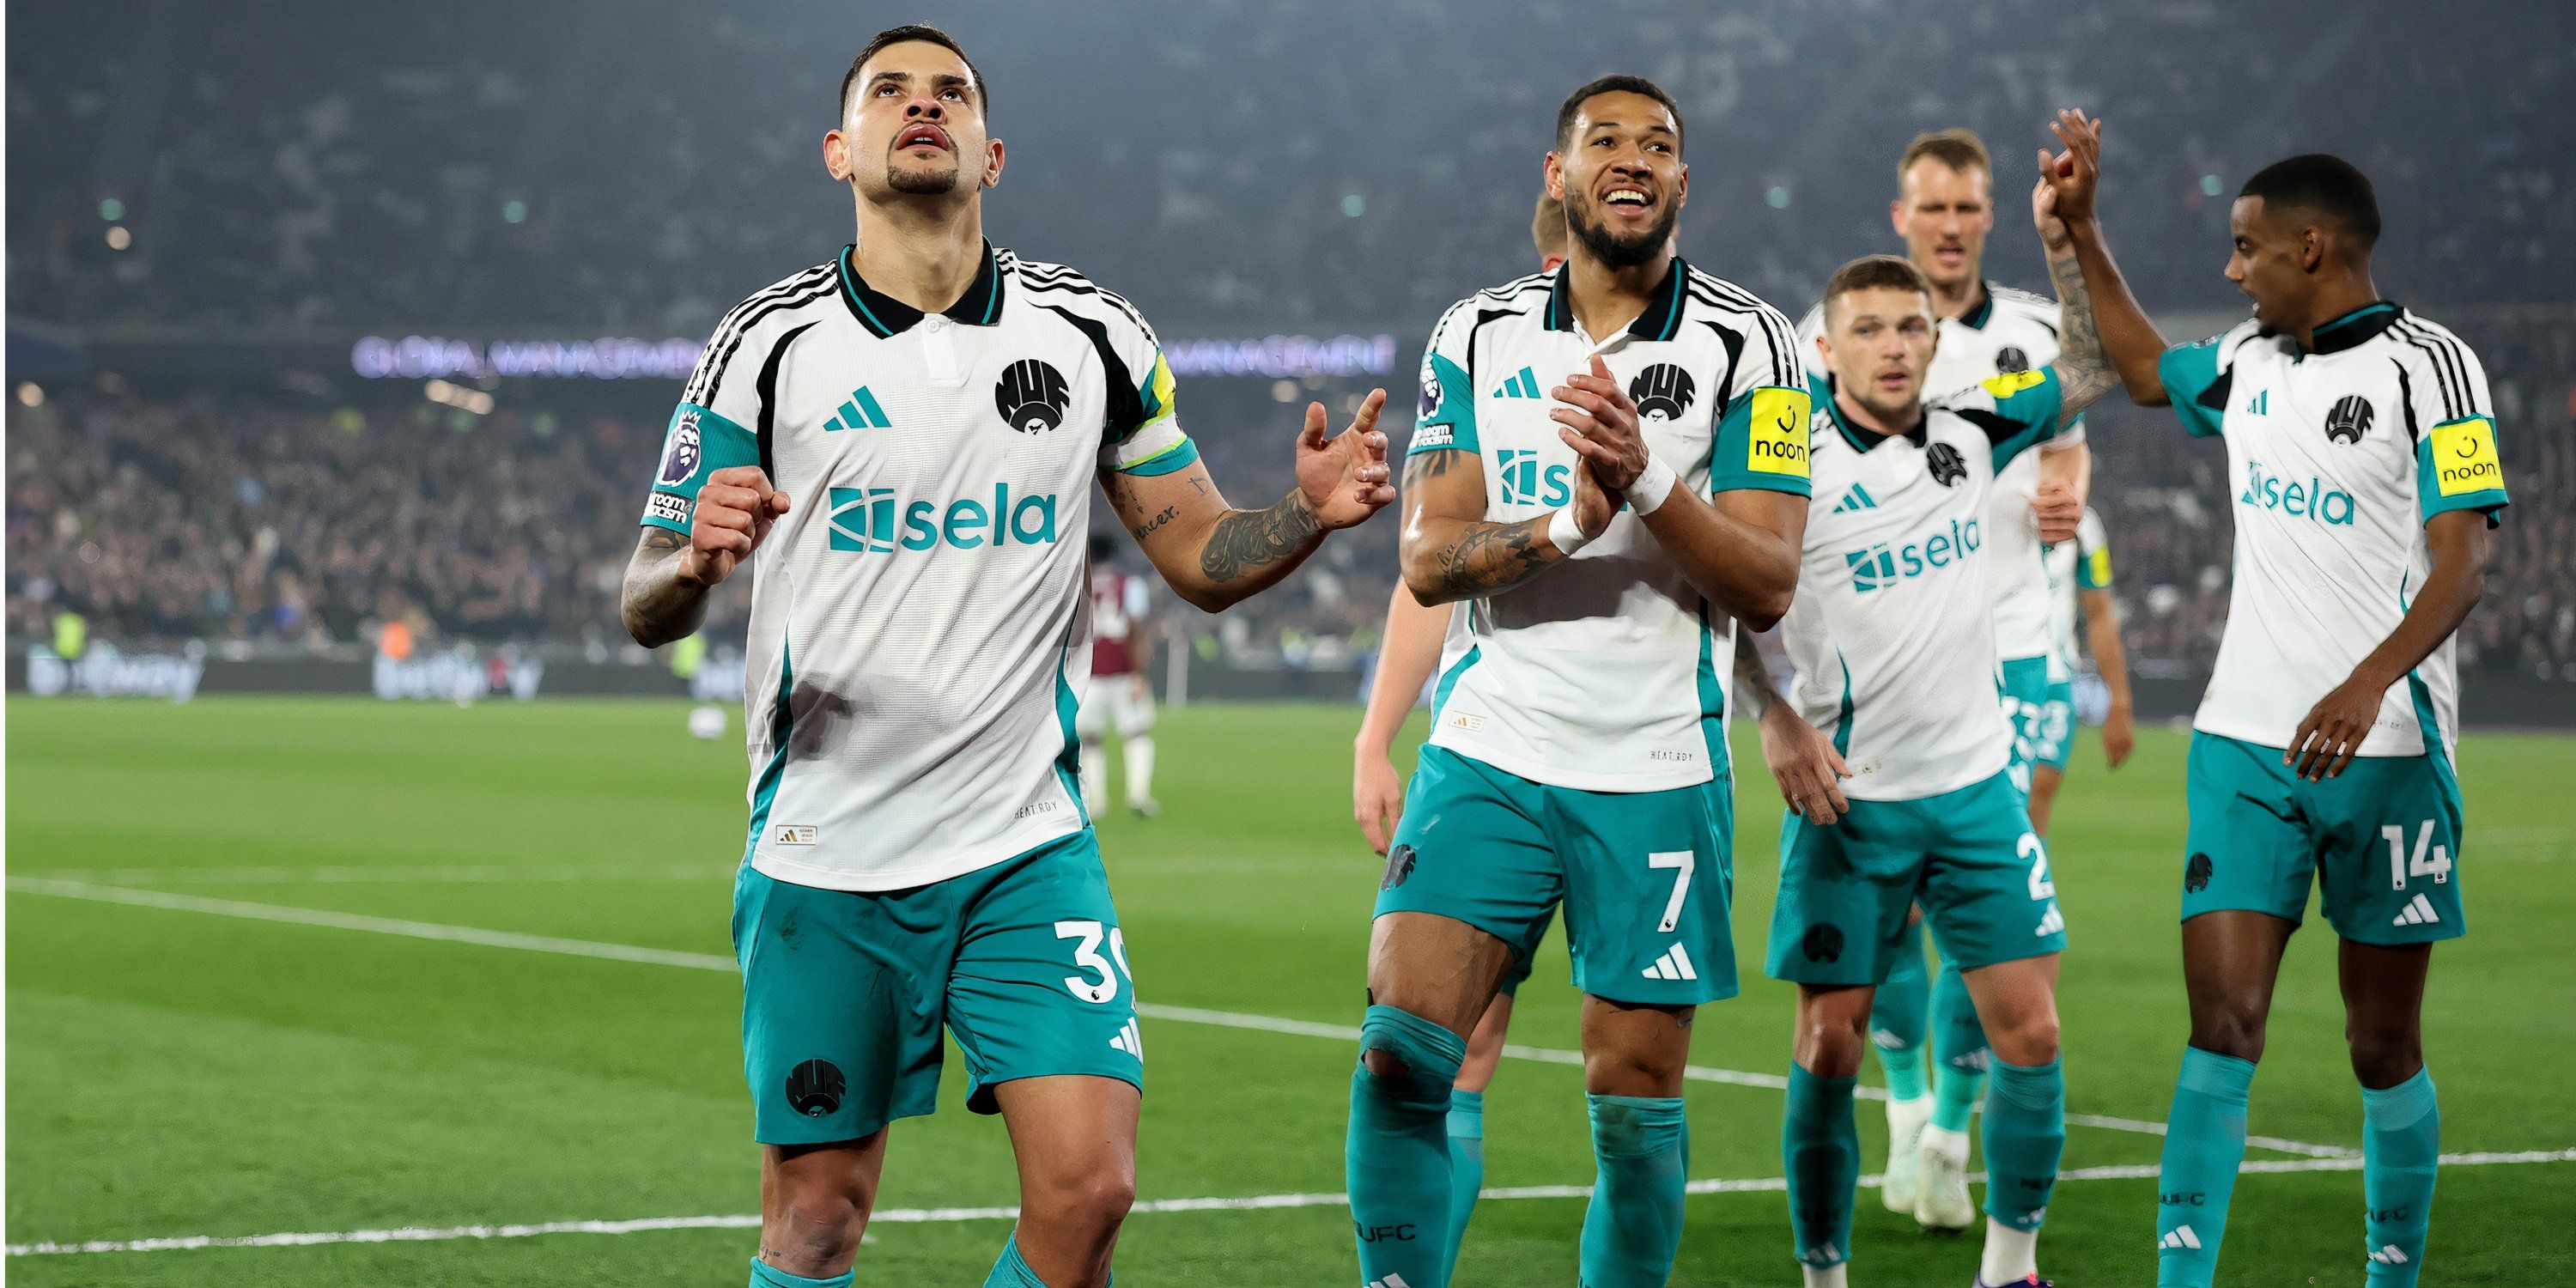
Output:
x=712 y=961
x=1256 y=1202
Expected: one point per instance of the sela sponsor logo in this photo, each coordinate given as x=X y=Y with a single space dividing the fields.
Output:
x=2312 y=498
x=1881 y=565
x=680 y=456
x=873 y=520
x=1527 y=482
x=2464 y=457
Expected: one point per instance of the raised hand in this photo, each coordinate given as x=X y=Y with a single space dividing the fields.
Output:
x=2057 y=510
x=1344 y=480
x=2072 y=174
x=1599 y=421
x=736 y=507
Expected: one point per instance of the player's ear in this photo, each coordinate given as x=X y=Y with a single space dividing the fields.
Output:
x=1681 y=188
x=1896 y=216
x=992 y=163
x=836 y=155
x=2312 y=248
x=1551 y=172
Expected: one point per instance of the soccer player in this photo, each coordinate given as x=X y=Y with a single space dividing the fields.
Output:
x=1603 y=529
x=1944 y=209
x=1406 y=658
x=2079 y=581
x=1120 y=697
x=1894 y=645
x=2362 y=463
x=919 y=852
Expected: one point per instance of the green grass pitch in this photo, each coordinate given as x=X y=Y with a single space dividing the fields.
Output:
x=239 y=1004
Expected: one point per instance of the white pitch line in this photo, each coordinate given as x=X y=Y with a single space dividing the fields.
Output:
x=712 y=961
x=1246 y=1203
x=391 y=874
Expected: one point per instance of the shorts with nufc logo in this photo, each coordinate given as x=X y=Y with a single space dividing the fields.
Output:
x=844 y=992
x=2380 y=842
x=1646 y=878
x=1968 y=856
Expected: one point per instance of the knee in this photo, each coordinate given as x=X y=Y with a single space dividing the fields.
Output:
x=2230 y=1028
x=2383 y=1055
x=2028 y=1039
x=1828 y=1047
x=819 y=1225
x=1633 y=1072
x=1088 y=1202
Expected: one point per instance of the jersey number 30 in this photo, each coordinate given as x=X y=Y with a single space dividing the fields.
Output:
x=1086 y=956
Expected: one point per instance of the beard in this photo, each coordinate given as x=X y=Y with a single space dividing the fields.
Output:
x=1617 y=250
x=923 y=183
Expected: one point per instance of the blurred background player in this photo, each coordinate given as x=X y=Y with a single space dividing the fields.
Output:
x=1577 y=753
x=2079 y=585
x=2361 y=448
x=1895 y=655
x=1944 y=209
x=1405 y=662
x=1120 y=696
x=916 y=831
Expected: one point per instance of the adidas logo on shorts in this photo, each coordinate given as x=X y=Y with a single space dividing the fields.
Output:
x=1674 y=964
x=2054 y=921
x=2419 y=912
x=1129 y=1041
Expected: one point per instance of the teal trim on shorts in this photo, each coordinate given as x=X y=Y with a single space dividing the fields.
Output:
x=2379 y=845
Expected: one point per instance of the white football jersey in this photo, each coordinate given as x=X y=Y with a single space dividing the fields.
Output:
x=920 y=619
x=2010 y=331
x=2073 y=568
x=1609 y=672
x=2336 y=459
x=1892 y=632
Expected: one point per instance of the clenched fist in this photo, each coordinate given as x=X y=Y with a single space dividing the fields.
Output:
x=735 y=509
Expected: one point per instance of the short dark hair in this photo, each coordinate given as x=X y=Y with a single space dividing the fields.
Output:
x=1875 y=272
x=909 y=32
x=1960 y=149
x=1616 y=84
x=2327 y=184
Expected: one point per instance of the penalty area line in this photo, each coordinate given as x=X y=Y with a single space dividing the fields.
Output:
x=1247 y=1203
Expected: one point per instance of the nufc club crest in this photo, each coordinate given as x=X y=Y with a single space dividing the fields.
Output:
x=2010 y=360
x=2196 y=874
x=814 y=1088
x=1399 y=867
x=1661 y=392
x=1822 y=943
x=1947 y=468
x=2349 y=420
x=1031 y=396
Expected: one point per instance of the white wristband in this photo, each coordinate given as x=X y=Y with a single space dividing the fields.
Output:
x=1565 y=534
x=1654 y=485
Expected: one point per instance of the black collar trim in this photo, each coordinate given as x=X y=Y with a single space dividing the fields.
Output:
x=1661 y=320
x=1976 y=319
x=886 y=317
x=2354 y=328
x=1863 y=440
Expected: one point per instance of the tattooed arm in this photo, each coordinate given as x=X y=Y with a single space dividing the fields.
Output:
x=1452 y=552
x=1216 y=556
x=2109 y=340
x=669 y=576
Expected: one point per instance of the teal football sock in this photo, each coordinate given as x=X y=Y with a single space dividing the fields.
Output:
x=765 y=1275
x=1012 y=1271
x=1397 y=1154
x=1466 y=1168
x=2204 y=1143
x=1634 y=1225
x=2025 y=1137
x=1820 y=1145
x=2401 y=1141
x=1898 y=1016
x=1959 y=1042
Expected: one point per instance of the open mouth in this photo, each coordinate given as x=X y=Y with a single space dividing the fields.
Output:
x=1950 y=256
x=922 y=134
x=1628 y=201
x=1894 y=381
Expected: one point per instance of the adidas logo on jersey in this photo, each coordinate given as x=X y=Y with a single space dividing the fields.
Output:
x=1129 y=1041
x=1856 y=499
x=2418 y=912
x=2389 y=1255
x=2180 y=1237
x=2262 y=403
x=1674 y=965
x=874 y=520
x=1522 y=385
x=859 y=411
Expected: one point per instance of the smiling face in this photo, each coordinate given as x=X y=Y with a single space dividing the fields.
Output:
x=1878 y=342
x=1944 y=214
x=914 y=125
x=1619 y=172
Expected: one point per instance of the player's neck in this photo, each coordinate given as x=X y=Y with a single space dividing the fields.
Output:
x=1606 y=299
x=2335 y=297
x=923 y=253
x=1862 y=418
x=1960 y=298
